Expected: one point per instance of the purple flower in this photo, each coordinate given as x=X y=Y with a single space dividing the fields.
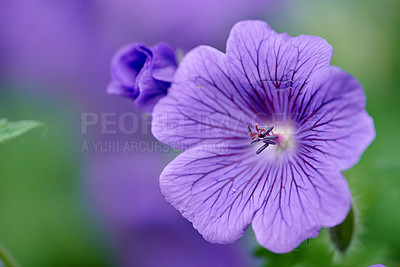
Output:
x=377 y=265
x=143 y=74
x=266 y=129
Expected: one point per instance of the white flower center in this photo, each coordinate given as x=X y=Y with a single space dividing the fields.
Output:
x=280 y=139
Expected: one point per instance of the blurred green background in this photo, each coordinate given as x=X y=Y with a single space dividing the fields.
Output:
x=45 y=218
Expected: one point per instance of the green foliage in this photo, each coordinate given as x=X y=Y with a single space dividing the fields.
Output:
x=45 y=221
x=6 y=259
x=314 y=252
x=343 y=234
x=10 y=130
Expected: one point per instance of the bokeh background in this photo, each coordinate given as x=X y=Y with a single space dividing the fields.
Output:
x=61 y=205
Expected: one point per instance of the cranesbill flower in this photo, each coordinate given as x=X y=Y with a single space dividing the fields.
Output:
x=143 y=74
x=267 y=128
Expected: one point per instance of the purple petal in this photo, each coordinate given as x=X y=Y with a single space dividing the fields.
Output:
x=141 y=224
x=217 y=191
x=151 y=91
x=334 y=124
x=114 y=88
x=303 y=197
x=164 y=62
x=271 y=66
x=128 y=62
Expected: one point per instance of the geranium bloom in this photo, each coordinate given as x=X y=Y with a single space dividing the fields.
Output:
x=267 y=128
x=143 y=74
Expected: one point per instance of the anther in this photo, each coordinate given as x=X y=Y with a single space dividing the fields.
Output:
x=264 y=135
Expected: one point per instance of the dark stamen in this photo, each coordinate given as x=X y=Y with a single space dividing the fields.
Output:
x=261 y=149
x=268 y=130
x=263 y=134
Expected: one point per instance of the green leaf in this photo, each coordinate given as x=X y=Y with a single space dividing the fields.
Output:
x=10 y=130
x=6 y=259
x=315 y=252
x=343 y=234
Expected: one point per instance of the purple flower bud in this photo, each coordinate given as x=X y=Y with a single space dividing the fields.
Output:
x=143 y=74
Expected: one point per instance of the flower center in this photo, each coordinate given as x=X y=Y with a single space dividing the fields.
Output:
x=269 y=135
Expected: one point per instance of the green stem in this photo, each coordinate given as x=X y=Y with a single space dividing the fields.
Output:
x=6 y=259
